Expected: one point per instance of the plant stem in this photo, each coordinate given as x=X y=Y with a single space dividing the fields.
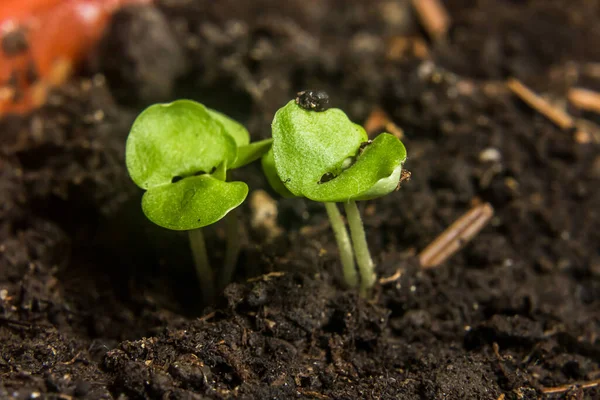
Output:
x=233 y=247
x=203 y=270
x=361 y=248
x=344 y=245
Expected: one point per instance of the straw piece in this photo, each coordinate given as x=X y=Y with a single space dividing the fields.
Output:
x=456 y=236
x=585 y=99
x=434 y=17
x=569 y=386
x=559 y=117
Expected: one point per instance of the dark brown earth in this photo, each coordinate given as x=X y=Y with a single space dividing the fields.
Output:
x=97 y=303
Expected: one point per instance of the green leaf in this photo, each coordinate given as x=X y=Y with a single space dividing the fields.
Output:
x=178 y=139
x=375 y=173
x=307 y=145
x=233 y=128
x=192 y=202
x=268 y=166
x=251 y=152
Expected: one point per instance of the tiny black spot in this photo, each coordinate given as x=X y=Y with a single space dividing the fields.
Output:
x=313 y=100
x=363 y=145
x=14 y=43
x=326 y=178
x=176 y=179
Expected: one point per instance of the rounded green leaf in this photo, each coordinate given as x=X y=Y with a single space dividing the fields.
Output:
x=192 y=202
x=375 y=173
x=233 y=128
x=177 y=139
x=268 y=166
x=307 y=145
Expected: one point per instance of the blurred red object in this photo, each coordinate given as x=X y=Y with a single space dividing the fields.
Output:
x=40 y=43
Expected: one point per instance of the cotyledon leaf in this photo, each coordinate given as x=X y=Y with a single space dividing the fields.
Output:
x=268 y=166
x=309 y=144
x=181 y=138
x=192 y=202
x=232 y=127
x=375 y=173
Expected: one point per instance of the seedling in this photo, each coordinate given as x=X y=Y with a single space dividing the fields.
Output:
x=323 y=156
x=180 y=154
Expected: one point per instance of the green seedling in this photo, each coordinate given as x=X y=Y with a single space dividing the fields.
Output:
x=180 y=153
x=323 y=156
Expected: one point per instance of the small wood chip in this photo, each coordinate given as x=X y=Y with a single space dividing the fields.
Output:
x=434 y=17
x=585 y=99
x=313 y=394
x=397 y=275
x=208 y=316
x=456 y=236
x=558 y=116
x=569 y=386
x=267 y=277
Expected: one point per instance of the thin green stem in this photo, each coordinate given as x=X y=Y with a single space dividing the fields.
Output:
x=203 y=270
x=344 y=244
x=232 y=234
x=361 y=248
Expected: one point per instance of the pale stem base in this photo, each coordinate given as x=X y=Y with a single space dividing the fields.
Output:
x=366 y=267
x=203 y=269
x=232 y=233
x=344 y=244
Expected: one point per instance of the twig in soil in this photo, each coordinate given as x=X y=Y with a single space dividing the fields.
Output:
x=267 y=277
x=72 y=360
x=313 y=394
x=559 y=117
x=397 y=275
x=24 y=325
x=569 y=386
x=456 y=236
x=585 y=99
x=207 y=316
x=434 y=17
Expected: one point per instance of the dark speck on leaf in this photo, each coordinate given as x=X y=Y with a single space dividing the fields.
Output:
x=326 y=178
x=363 y=145
x=313 y=100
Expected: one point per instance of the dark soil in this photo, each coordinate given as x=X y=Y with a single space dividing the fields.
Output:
x=97 y=303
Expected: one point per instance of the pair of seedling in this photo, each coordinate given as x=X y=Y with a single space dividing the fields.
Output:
x=181 y=152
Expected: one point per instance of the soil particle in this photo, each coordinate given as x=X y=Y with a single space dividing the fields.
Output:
x=150 y=58
x=96 y=302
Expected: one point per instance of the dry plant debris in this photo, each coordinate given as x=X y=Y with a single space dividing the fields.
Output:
x=559 y=117
x=456 y=236
x=585 y=99
x=434 y=17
